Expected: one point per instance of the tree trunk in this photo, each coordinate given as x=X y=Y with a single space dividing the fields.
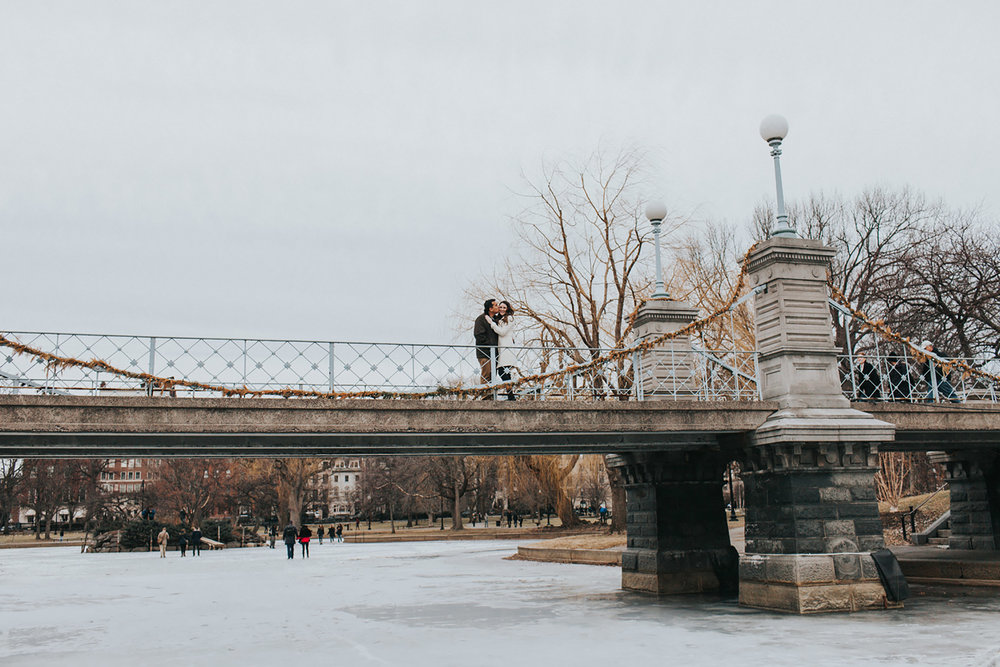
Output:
x=564 y=509
x=294 y=505
x=617 y=500
x=456 y=514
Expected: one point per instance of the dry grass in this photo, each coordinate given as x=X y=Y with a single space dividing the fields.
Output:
x=584 y=542
x=926 y=515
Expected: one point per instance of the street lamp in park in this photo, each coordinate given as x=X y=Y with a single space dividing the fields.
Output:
x=655 y=212
x=773 y=130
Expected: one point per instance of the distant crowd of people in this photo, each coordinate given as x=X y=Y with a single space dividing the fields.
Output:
x=193 y=538
x=902 y=383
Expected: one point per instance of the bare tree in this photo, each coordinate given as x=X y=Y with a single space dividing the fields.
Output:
x=705 y=267
x=42 y=490
x=10 y=482
x=294 y=477
x=453 y=477
x=580 y=271
x=872 y=234
x=193 y=487
x=948 y=290
x=553 y=475
x=593 y=481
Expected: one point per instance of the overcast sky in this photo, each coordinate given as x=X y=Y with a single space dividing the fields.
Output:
x=343 y=170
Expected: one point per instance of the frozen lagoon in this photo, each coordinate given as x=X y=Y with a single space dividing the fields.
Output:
x=430 y=603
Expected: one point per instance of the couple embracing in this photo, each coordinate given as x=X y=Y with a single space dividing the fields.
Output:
x=494 y=333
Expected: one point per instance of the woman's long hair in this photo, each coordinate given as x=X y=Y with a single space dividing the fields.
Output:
x=510 y=311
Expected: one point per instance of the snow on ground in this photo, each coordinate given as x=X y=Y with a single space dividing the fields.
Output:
x=429 y=603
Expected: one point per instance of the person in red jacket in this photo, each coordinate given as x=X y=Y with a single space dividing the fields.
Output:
x=304 y=535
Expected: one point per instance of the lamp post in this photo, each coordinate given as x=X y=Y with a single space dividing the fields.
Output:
x=655 y=213
x=732 y=497
x=773 y=130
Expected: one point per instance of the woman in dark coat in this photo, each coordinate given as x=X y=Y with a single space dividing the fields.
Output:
x=304 y=535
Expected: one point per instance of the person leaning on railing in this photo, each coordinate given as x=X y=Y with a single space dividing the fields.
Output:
x=869 y=383
x=932 y=375
x=899 y=379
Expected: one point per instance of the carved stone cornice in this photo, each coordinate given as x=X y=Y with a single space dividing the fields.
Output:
x=764 y=261
x=790 y=251
x=814 y=457
x=697 y=466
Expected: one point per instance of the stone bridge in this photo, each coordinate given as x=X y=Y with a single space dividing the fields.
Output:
x=808 y=455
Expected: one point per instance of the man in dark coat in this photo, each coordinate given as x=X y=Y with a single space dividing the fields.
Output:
x=869 y=382
x=486 y=340
x=196 y=541
x=289 y=537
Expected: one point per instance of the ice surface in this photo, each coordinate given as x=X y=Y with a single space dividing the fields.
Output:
x=429 y=603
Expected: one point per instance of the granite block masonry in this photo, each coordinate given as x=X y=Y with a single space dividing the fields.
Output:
x=678 y=536
x=812 y=518
x=974 y=482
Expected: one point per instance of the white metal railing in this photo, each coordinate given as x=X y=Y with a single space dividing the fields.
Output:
x=328 y=367
x=875 y=369
x=901 y=377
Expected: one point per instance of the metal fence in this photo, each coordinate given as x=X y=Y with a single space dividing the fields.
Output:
x=901 y=377
x=350 y=367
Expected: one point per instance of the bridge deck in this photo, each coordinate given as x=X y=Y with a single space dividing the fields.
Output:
x=106 y=426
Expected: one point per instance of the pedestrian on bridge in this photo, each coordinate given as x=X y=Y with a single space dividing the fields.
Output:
x=503 y=326
x=319 y=534
x=933 y=375
x=486 y=340
x=289 y=538
x=869 y=382
x=340 y=532
x=899 y=379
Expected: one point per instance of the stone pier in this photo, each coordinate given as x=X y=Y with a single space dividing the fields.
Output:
x=974 y=482
x=812 y=517
x=678 y=536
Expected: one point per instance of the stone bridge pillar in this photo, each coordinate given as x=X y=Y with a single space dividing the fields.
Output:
x=678 y=536
x=812 y=518
x=974 y=481
x=669 y=370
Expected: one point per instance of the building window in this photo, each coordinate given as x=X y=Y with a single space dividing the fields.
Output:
x=335 y=478
x=138 y=475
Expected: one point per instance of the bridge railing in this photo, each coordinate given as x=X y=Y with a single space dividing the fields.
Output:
x=902 y=377
x=338 y=368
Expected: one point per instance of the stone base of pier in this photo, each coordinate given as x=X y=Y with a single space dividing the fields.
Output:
x=812 y=583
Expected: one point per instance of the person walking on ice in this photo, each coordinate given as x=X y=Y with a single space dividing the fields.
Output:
x=289 y=538
x=161 y=539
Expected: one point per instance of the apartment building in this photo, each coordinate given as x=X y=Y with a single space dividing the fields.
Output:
x=128 y=475
x=331 y=491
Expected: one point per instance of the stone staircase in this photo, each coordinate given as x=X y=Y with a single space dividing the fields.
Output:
x=940 y=539
x=937 y=534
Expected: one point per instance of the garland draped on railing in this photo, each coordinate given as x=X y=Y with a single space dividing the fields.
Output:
x=880 y=328
x=55 y=361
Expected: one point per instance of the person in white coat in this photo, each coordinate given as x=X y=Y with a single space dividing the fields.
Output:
x=503 y=325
